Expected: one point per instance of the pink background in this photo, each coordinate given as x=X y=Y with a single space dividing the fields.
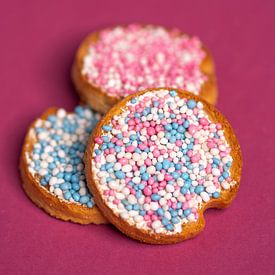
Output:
x=38 y=42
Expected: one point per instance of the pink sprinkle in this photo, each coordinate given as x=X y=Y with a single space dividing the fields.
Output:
x=196 y=157
x=97 y=159
x=155 y=190
x=130 y=149
x=116 y=201
x=99 y=140
x=188 y=196
x=150 y=212
x=203 y=121
x=156 y=153
x=192 y=129
x=123 y=161
x=185 y=205
x=148 y=162
x=179 y=143
x=151 y=180
x=146 y=217
x=147 y=191
x=142 y=146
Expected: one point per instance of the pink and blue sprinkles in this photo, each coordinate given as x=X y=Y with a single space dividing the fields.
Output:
x=159 y=160
x=57 y=155
x=133 y=57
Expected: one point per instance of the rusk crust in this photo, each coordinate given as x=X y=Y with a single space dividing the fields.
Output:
x=100 y=101
x=191 y=229
x=43 y=198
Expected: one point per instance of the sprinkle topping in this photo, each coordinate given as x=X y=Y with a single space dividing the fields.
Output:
x=159 y=160
x=125 y=59
x=57 y=155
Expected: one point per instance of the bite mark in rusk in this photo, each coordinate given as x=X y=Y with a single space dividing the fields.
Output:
x=113 y=63
x=158 y=160
x=48 y=183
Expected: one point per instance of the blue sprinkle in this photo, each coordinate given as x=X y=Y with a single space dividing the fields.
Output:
x=160 y=212
x=67 y=195
x=229 y=164
x=186 y=124
x=169 y=227
x=166 y=164
x=145 y=176
x=138 y=194
x=141 y=186
x=175 y=125
x=187 y=212
x=75 y=178
x=75 y=186
x=181 y=129
x=90 y=204
x=142 y=212
x=199 y=189
x=76 y=196
x=183 y=190
x=225 y=174
x=155 y=197
x=216 y=161
x=158 y=166
x=173 y=139
x=161 y=116
x=84 y=199
x=185 y=176
x=173 y=212
x=168 y=127
x=43 y=182
x=172 y=116
x=142 y=169
x=133 y=137
x=173 y=93
x=125 y=202
x=175 y=220
x=175 y=175
x=129 y=207
x=165 y=221
x=64 y=186
x=120 y=175
x=107 y=128
x=216 y=195
x=191 y=104
x=133 y=101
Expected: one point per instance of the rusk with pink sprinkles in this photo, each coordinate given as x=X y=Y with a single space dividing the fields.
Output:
x=116 y=62
x=158 y=160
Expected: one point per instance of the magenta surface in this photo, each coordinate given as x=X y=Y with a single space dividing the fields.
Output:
x=38 y=42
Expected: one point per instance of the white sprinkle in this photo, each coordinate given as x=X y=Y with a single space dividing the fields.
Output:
x=156 y=224
x=58 y=192
x=205 y=196
x=132 y=199
x=170 y=188
x=110 y=158
x=127 y=168
x=216 y=172
x=211 y=189
x=225 y=185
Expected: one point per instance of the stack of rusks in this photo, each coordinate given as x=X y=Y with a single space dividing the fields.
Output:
x=146 y=149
